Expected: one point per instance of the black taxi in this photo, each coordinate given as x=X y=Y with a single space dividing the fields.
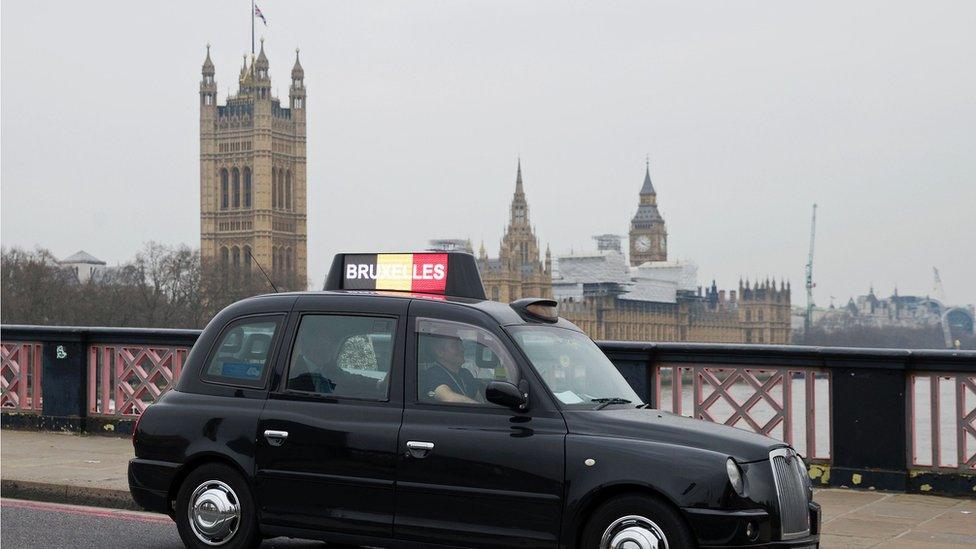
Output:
x=400 y=408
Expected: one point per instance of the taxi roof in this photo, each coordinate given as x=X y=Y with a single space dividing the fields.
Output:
x=502 y=313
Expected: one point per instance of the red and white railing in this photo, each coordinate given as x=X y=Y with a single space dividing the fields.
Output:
x=781 y=402
x=20 y=377
x=942 y=420
x=125 y=379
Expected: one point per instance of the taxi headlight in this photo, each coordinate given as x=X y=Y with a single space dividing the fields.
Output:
x=735 y=476
x=802 y=466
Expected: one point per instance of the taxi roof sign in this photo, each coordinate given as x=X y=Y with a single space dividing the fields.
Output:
x=442 y=273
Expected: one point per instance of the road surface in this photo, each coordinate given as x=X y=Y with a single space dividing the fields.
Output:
x=29 y=524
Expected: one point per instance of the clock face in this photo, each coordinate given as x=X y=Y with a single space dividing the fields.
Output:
x=643 y=243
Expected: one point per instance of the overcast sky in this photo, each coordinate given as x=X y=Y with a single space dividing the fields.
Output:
x=750 y=112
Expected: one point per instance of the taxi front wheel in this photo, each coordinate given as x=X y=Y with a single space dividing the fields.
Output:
x=214 y=508
x=636 y=522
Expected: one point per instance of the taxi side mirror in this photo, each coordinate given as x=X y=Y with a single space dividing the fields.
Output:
x=506 y=394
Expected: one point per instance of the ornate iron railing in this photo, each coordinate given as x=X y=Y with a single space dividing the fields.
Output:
x=783 y=403
x=942 y=416
x=124 y=379
x=20 y=376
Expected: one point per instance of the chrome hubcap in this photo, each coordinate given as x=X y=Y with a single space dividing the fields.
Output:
x=633 y=532
x=214 y=512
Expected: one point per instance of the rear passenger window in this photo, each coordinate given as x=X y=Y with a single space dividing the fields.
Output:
x=243 y=353
x=343 y=356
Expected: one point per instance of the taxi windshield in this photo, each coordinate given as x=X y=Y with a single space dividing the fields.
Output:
x=574 y=368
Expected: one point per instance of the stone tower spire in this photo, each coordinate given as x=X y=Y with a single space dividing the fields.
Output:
x=208 y=66
x=520 y=207
x=648 y=235
x=647 y=189
x=262 y=80
x=208 y=86
x=297 y=91
x=519 y=271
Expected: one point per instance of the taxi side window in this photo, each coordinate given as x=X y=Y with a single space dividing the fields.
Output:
x=455 y=362
x=243 y=353
x=343 y=356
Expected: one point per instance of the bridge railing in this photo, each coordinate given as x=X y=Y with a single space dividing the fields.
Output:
x=869 y=418
x=872 y=418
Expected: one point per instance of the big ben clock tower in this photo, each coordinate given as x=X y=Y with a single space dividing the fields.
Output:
x=648 y=235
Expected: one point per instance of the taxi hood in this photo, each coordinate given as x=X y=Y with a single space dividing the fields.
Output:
x=660 y=426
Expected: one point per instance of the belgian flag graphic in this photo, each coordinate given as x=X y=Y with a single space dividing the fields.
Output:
x=422 y=273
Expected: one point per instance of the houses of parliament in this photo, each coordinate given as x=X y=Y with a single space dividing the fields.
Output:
x=253 y=214
x=643 y=298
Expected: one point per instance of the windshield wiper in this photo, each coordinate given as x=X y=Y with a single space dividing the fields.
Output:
x=604 y=402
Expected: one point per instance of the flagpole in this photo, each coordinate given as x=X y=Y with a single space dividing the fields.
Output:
x=252 y=28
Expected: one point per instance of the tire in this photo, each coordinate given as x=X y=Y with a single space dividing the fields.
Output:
x=228 y=519
x=633 y=516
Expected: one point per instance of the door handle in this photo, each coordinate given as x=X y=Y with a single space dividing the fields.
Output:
x=276 y=438
x=419 y=449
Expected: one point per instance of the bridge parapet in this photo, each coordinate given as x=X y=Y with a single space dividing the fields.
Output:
x=892 y=419
x=866 y=418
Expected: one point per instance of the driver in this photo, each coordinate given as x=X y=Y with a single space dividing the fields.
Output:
x=445 y=380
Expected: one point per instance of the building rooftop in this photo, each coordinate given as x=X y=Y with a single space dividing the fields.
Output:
x=81 y=256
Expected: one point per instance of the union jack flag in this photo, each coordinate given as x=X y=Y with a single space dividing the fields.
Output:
x=257 y=12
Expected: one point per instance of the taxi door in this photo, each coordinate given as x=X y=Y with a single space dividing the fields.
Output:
x=327 y=438
x=474 y=474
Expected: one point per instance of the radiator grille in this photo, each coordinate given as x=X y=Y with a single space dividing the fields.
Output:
x=791 y=490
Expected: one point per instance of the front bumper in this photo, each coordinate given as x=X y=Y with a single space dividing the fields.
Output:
x=149 y=484
x=717 y=528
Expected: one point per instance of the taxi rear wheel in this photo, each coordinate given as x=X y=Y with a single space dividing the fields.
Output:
x=636 y=522
x=214 y=508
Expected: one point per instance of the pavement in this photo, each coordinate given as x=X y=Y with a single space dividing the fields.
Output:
x=91 y=470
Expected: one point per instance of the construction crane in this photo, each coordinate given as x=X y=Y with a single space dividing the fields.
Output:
x=937 y=285
x=808 y=318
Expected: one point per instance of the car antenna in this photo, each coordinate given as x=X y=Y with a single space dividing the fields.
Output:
x=262 y=270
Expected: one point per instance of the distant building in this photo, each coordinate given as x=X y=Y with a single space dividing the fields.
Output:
x=84 y=266
x=252 y=175
x=895 y=311
x=518 y=271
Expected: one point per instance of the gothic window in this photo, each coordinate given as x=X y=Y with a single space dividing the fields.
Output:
x=236 y=188
x=223 y=189
x=748 y=315
x=494 y=293
x=247 y=187
x=274 y=188
x=288 y=205
x=281 y=189
x=236 y=254
x=274 y=258
x=288 y=260
x=223 y=258
x=760 y=315
x=247 y=261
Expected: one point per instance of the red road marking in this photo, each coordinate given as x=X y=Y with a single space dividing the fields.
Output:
x=86 y=511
